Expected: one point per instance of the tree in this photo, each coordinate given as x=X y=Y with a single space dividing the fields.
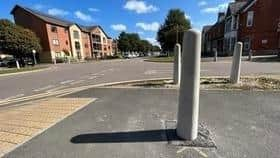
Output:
x=16 y=40
x=171 y=32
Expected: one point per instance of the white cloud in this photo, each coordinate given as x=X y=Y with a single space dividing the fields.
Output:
x=154 y=26
x=57 y=12
x=218 y=8
x=140 y=32
x=118 y=27
x=202 y=3
x=187 y=16
x=152 y=41
x=93 y=10
x=38 y=6
x=139 y=6
x=82 y=16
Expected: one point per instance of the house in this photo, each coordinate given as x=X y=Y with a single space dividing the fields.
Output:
x=259 y=26
x=100 y=42
x=215 y=36
x=231 y=25
x=205 y=44
x=60 y=38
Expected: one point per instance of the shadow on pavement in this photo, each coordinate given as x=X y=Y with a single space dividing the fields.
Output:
x=127 y=137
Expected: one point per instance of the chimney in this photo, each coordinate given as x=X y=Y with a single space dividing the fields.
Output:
x=221 y=16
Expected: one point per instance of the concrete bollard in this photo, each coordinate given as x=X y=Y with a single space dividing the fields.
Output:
x=177 y=64
x=54 y=61
x=215 y=55
x=250 y=55
x=236 y=63
x=187 y=125
x=17 y=63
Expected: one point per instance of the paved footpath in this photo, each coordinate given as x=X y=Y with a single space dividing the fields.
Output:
x=126 y=123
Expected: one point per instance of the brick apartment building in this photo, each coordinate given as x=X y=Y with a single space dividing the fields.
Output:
x=214 y=37
x=60 y=38
x=256 y=23
x=259 y=26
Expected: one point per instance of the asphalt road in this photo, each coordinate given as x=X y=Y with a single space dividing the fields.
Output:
x=121 y=124
x=63 y=76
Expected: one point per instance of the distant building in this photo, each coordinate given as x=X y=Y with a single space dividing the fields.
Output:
x=231 y=25
x=60 y=38
x=259 y=26
x=215 y=36
x=206 y=44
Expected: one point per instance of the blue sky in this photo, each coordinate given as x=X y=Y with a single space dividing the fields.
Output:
x=142 y=16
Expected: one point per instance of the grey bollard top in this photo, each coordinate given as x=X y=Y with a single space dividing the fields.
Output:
x=188 y=111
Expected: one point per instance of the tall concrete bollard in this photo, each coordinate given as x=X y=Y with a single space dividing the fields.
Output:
x=215 y=55
x=54 y=61
x=187 y=125
x=236 y=63
x=17 y=63
x=250 y=55
x=177 y=64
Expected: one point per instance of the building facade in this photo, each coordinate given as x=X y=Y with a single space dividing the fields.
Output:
x=60 y=38
x=259 y=27
x=231 y=25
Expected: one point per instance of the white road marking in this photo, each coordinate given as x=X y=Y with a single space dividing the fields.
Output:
x=13 y=97
x=43 y=88
x=67 y=81
x=54 y=89
x=150 y=72
x=200 y=152
x=93 y=77
x=181 y=150
x=79 y=81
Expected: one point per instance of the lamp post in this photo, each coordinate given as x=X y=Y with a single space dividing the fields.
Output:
x=34 y=56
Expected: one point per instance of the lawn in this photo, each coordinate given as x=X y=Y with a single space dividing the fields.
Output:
x=160 y=59
x=25 y=69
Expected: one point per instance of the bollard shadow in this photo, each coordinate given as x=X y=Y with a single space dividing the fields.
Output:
x=127 y=137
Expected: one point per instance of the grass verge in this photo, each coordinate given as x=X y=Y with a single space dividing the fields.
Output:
x=160 y=59
x=25 y=69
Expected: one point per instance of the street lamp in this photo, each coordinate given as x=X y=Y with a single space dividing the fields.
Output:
x=34 y=56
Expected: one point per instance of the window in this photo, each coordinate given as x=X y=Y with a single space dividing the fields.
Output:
x=55 y=42
x=76 y=34
x=250 y=16
x=77 y=45
x=53 y=28
x=104 y=40
x=86 y=45
x=66 y=42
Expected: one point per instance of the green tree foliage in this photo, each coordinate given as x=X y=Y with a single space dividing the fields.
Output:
x=128 y=42
x=16 y=40
x=173 y=29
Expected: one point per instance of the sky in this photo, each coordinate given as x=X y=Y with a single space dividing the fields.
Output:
x=140 y=16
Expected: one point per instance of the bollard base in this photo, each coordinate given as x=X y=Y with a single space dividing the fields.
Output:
x=203 y=139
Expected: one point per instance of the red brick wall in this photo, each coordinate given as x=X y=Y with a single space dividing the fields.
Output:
x=62 y=35
x=86 y=44
x=266 y=18
x=37 y=26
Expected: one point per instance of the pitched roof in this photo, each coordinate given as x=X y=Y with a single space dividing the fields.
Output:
x=57 y=21
x=234 y=7
x=248 y=4
x=45 y=17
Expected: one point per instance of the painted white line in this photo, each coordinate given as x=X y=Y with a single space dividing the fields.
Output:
x=200 y=152
x=93 y=77
x=54 y=89
x=13 y=97
x=77 y=82
x=150 y=72
x=67 y=81
x=181 y=150
x=43 y=88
